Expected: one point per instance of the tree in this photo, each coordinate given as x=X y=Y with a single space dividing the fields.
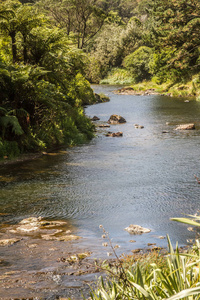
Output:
x=17 y=19
x=138 y=63
x=83 y=18
x=9 y=23
x=177 y=26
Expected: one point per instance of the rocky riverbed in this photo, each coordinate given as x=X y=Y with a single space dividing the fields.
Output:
x=46 y=264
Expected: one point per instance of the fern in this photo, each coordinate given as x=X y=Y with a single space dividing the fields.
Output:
x=12 y=121
x=3 y=111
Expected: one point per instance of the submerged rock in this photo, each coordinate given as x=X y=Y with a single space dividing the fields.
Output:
x=116 y=119
x=50 y=224
x=165 y=131
x=37 y=226
x=161 y=237
x=33 y=224
x=186 y=127
x=66 y=238
x=114 y=134
x=137 y=229
x=29 y=224
x=76 y=257
x=139 y=126
x=104 y=125
x=136 y=250
x=95 y=118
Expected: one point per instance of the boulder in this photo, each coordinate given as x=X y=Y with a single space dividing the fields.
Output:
x=116 y=119
x=190 y=126
x=95 y=118
x=137 y=229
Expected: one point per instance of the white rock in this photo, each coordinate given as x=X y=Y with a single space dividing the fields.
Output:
x=137 y=229
x=186 y=127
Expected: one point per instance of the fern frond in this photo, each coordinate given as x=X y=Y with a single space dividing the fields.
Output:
x=12 y=121
x=3 y=111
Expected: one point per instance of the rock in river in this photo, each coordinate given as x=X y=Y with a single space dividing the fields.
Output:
x=95 y=118
x=114 y=134
x=139 y=126
x=116 y=119
x=137 y=229
x=8 y=242
x=186 y=127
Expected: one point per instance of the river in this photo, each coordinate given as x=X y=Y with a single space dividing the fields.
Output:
x=145 y=177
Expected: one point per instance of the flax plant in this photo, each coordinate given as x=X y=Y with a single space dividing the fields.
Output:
x=179 y=279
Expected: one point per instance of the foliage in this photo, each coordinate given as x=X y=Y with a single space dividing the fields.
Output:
x=179 y=278
x=176 y=27
x=193 y=220
x=118 y=76
x=42 y=87
x=106 y=52
x=8 y=149
x=83 y=18
x=138 y=63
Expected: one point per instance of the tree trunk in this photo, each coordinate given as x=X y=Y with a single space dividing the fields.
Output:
x=14 y=48
x=25 y=54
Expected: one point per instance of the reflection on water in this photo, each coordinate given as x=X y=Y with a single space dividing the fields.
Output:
x=144 y=177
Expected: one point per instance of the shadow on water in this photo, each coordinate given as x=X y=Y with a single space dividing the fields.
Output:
x=144 y=178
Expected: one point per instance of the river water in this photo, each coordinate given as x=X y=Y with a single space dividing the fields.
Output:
x=145 y=177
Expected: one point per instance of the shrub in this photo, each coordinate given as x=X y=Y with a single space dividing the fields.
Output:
x=138 y=63
x=8 y=149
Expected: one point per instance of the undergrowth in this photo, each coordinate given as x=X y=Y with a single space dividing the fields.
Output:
x=171 y=276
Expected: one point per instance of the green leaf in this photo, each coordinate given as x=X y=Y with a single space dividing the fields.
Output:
x=186 y=221
x=185 y=293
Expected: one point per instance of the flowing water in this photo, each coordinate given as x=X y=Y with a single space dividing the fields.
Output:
x=145 y=177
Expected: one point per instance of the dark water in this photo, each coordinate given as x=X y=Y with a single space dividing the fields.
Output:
x=144 y=177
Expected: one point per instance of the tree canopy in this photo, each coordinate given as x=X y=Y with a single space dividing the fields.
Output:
x=49 y=49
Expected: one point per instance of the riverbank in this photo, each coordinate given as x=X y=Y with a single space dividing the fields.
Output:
x=170 y=90
x=52 y=262
x=189 y=88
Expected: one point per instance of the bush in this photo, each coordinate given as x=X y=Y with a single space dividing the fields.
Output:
x=8 y=149
x=118 y=76
x=138 y=63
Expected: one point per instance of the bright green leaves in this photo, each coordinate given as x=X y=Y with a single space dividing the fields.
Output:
x=42 y=91
x=138 y=63
x=177 y=26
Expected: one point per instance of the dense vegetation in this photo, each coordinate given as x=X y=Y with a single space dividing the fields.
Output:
x=154 y=275
x=51 y=49
x=42 y=83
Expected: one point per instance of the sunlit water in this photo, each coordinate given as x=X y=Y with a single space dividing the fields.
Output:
x=145 y=177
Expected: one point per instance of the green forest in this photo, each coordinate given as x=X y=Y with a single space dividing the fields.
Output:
x=52 y=50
